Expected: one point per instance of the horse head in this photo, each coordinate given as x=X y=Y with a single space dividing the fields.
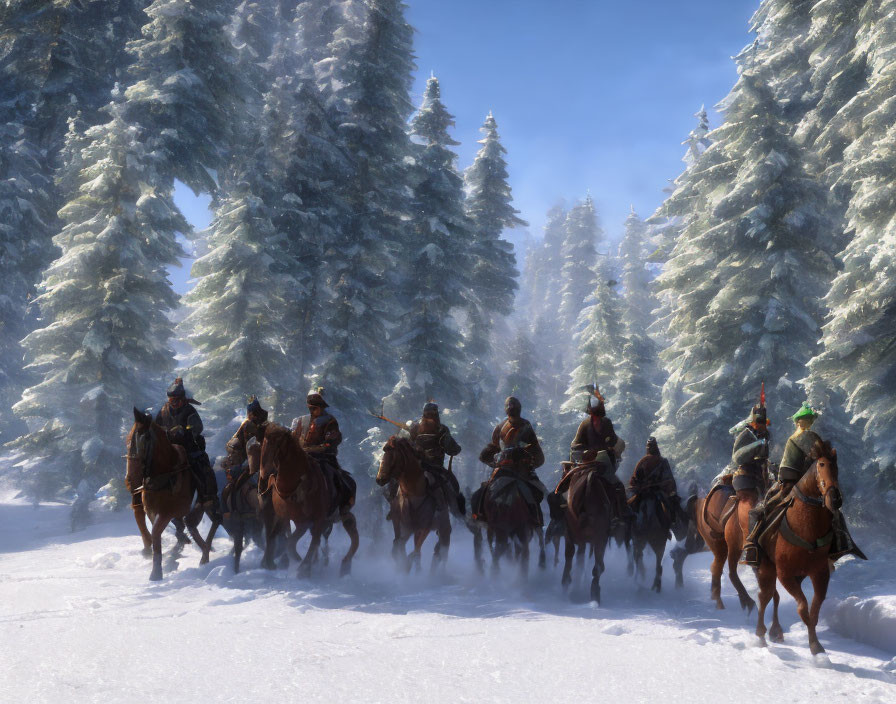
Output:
x=398 y=456
x=826 y=475
x=141 y=445
x=277 y=440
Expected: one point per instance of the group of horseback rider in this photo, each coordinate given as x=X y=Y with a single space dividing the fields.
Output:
x=514 y=452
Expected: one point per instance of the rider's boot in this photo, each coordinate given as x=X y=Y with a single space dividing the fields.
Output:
x=750 y=555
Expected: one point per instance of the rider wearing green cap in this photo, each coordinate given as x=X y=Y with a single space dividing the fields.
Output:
x=794 y=464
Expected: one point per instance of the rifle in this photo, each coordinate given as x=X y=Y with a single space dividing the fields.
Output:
x=380 y=416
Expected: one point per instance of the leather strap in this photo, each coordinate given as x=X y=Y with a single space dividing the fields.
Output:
x=792 y=538
x=811 y=500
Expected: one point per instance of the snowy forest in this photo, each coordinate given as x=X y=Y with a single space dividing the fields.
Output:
x=350 y=250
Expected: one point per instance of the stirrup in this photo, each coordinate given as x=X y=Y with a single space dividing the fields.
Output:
x=750 y=556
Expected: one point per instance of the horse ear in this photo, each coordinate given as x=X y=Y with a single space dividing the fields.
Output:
x=834 y=452
x=138 y=415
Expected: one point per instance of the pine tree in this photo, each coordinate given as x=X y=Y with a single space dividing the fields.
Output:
x=599 y=343
x=521 y=380
x=582 y=235
x=104 y=346
x=431 y=349
x=639 y=378
x=369 y=85
x=761 y=270
x=859 y=341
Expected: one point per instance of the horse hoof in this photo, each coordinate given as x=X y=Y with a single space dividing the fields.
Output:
x=345 y=569
x=147 y=551
x=155 y=576
x=204 y=559
x=679 y=582
x=720 y=606
x=657 y=588
x=236 y=567
x=268 y=565
x=762 y=641
x=816 y=648
x=777 y=637
x=595 y=595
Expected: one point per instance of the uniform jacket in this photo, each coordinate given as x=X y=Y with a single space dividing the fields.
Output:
x=653 y=471
x=434 y=440
x=184 y=427
x=796 y=460
x=596 y=433
x=511 y=437
x=320 y=435
x=750 y=452
x=236 y=446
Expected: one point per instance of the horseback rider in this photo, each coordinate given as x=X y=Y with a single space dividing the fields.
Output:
x=795 y=463
x=253 y=427
x=319 y=435
x=184 y=427
x=433 y=440
x=514 y=450
x=653 y=475
x=594 y=437
x=749 y=456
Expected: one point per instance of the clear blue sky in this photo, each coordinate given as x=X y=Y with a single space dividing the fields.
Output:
x=589 y=95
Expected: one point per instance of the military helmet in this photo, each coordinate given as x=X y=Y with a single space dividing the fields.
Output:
x=806 y=411
x=253 y=406
x=758 y=415
x=430 y=408
x=177 y=389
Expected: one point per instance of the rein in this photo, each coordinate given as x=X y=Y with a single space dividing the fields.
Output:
x=817 y=501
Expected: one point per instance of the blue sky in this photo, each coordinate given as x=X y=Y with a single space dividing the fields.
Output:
x=590 y=95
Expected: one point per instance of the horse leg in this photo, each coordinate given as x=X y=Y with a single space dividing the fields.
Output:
x=678 y=554
x=570 y=550
x=271 y=526
x=192 y=522
x=501 y=545
x=140 y=518
x=542 y=557
x=158 y=527
x=524 y=557
x=237 y=535
x=765 y=575
x=417 y=554
x=211 y=532
x=820 y=580
x=600 y=547
x=180 y=531
x=792 y=585
x=659 y=549
x=719 y=553
x=629 y=555
x=746 y=601
x=310 y=556
x=477 y=549
x=776 y=632
x=351 y=528
x=440 y=554
x=638 y=557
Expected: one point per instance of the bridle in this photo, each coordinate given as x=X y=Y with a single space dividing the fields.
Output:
x=146 y=460
x=817 y=501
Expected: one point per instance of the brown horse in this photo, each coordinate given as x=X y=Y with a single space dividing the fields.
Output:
x=801 y=546
x=722 y=521
x=651 y=528
x=298 y=492
x=416 y=510
x=588 y=512
x=509 y=522
x=160 y=470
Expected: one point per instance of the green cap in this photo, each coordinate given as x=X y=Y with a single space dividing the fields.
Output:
x=806 y=411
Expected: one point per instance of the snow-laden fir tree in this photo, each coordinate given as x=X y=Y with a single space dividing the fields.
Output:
x=429 y=344
x=522 y=369
x=24 y=196
x=369 y=85
x=579 y=252
x=236 y=324
x=670 y=219
x=185 y=90
x=750 y=284
x=543 y=268
x=105 y=304
x=599 y=342
x=859 y=355
x=638 y=376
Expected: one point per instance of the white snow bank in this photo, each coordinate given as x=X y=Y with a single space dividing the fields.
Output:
x=871 y=620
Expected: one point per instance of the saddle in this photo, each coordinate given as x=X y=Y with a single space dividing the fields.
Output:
x=717 y=523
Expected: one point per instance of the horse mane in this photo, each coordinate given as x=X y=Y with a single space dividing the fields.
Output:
x=404 y=448
x=823 y=449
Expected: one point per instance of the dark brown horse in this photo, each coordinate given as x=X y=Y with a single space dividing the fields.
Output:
x=298 y=492
x=801 y=546
x=652 y=523
x=416 y=509
x=509 y=522
x=722 y=520
x=588 y=512
x=161 y=472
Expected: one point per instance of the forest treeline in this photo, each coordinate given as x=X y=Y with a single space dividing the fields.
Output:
x=348 y=249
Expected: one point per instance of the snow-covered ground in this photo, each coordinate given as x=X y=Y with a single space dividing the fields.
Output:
x=79 y=622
